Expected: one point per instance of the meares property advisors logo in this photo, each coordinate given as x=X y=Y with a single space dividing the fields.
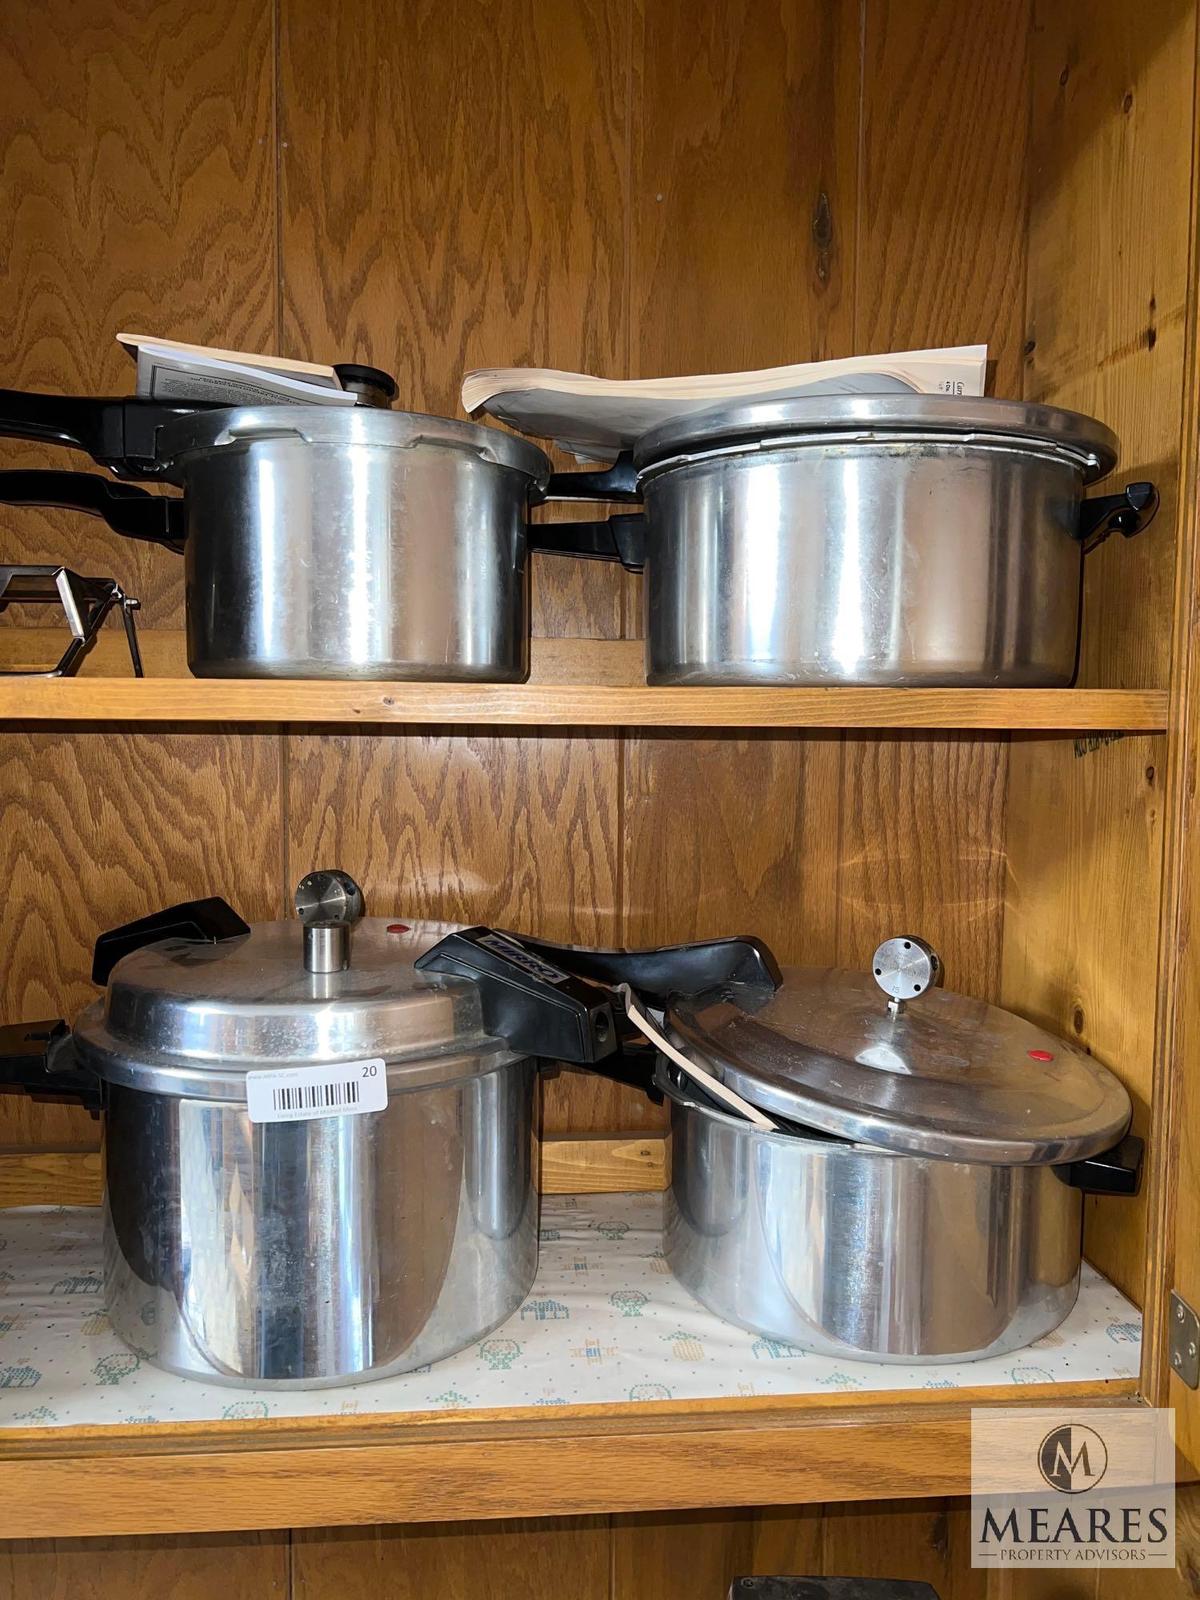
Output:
x=1097 y=1493
x=1073 y=1458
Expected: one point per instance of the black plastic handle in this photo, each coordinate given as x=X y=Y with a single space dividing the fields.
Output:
x=120 y=433
x=668 y=970
x=1117 y=1171
x=138 y=514
x=618 y=482
x=38 y=1059
x=618 y=538
x=537 y=1007
x=204 y=921
x=1129 y=512
x=373 y=385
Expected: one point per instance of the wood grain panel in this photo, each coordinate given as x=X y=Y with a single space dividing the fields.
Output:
x=742 y=250
x=743 y=204
x=922 y=851
x=1085 y=833
x=238 y=1566
x=136 y=191
x=941 y=229
x=106 y=826
x=1112 y=106
x=540 y=1559
x=732 y=835
x=941 y=203
x=1178 y=1583
x=683 y=1555
x=1111 y=93
x=459 y=203
x=519 y=833
x=928 y=1541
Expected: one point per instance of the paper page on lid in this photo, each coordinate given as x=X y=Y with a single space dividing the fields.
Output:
x=596 y=417
x=167 y=370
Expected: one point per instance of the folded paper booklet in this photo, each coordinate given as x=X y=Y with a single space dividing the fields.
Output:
x=596 y=417
x=168 y=370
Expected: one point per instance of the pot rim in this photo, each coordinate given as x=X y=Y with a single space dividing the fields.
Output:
x=186 y=438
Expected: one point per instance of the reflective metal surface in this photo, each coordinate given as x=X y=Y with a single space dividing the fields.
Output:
x=331 y=1251
x=856 y=1252
x=180 y=1017
x=1081 y=439
x=322 y=1251
x=947 y=1076
x=876 y=559
x=354 y=544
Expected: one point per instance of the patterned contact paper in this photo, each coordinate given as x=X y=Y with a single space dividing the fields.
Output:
x=606 y=1323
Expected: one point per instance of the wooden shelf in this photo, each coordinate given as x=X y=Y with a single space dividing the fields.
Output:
x=174 y=701
x=183 y=1466
x=596 y=683
x=439 y=1466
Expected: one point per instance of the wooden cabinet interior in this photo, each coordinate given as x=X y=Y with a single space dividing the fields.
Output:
x=626 y=189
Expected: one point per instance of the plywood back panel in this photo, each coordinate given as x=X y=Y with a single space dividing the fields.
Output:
x=1112 y=98
x=622 y=189
x=136 y=192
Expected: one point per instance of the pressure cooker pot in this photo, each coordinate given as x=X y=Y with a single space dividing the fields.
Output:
x=318 y=542
x=868 y=539
x=920 y=1195
x=321 y=1141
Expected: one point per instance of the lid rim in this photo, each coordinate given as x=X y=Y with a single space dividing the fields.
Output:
x=887 y=413
x=953 y=1078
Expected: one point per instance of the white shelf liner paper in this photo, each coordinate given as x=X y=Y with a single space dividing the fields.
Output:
x=606 y=1323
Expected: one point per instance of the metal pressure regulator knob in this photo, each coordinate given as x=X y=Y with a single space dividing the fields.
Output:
x=904 y=968
x=328 y=903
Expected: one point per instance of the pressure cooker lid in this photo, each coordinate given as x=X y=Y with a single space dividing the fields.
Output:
x=890 y=417
x=187 y=1017
x=887 y=1058
x=346 y=425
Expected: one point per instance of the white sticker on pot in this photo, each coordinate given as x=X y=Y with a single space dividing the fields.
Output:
x=297 y=1094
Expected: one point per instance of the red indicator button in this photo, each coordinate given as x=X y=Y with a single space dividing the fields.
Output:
x=398 y=927
x=1041 y=1055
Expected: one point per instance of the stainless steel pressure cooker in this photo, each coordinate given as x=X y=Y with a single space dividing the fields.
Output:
x=321 y=1145
x=867 y=539
x=318 y=542
x=920 y=1199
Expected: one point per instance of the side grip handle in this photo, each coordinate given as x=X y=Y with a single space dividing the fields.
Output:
x=1130 y=512
x=1117 y=1171
x=208 y=921
x=618 y=482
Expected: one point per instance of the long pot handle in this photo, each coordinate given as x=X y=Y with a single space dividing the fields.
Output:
x=558 y=1002
x=664 y=971
x=118 y=432
x=1116 y=1172
x=536 y=1007
x=1130 y=512
x=39 y=1059
x=209 y=921
x=618 y=538
x=134 y=512
x=621 y=537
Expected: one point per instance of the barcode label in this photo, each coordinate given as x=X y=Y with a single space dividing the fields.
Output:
x=295 y=1094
